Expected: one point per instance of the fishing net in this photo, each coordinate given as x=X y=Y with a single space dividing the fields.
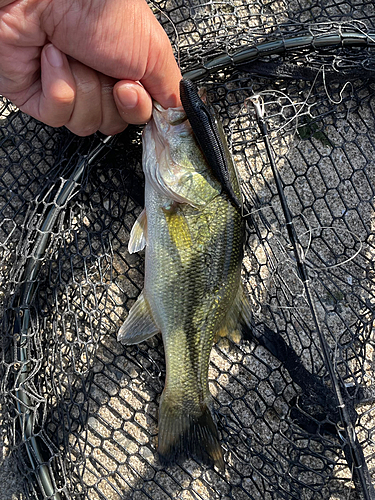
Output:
x=293 y=82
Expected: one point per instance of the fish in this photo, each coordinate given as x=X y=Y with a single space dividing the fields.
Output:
x=193 y=237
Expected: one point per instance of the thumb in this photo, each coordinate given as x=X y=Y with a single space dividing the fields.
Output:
x=133 y=102
x=163 y=84
x=53 y=103
x=162 y=76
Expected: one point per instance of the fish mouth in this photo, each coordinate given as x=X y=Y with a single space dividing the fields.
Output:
x=172 y=116
x=158 y=107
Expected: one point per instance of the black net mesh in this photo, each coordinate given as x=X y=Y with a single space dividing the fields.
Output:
x=79 y=411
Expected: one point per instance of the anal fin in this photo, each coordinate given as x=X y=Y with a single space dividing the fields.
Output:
x=139 y=325
x=238 y=319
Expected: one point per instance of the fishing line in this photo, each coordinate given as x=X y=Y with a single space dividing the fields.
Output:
x=340 y=264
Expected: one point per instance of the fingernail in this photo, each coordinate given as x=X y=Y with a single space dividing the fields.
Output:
x=128 y=96
x=54 y=56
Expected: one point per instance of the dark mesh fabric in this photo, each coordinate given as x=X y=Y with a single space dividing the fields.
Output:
x=80 y=409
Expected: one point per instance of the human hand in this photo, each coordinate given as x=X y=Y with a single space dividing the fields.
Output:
x=77 y=62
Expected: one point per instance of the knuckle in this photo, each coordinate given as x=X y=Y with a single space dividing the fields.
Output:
x=83 y=130
x=56 y=124
x=88 y=87
x=113 y=129
x=53 y=115
x=107 y=89
x=53 y=121
x=62 y=95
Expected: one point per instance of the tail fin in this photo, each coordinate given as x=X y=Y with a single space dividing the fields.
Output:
x=182 y=434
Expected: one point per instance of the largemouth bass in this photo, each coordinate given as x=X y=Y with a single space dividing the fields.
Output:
x=193 y=236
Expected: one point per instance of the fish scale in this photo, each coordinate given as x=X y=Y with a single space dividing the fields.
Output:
x=194 y=247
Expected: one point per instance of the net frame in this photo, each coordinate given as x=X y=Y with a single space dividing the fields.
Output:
x=310 y=412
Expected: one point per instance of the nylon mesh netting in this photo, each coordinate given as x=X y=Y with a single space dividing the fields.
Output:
x=80 y=408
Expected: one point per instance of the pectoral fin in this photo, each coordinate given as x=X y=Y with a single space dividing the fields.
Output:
x=139 y=325
x=138 y=234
